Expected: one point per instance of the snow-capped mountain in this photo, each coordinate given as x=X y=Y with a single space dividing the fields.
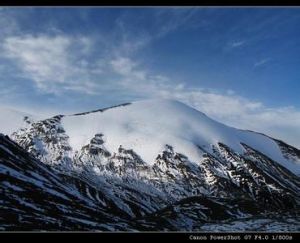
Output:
x=166 y=166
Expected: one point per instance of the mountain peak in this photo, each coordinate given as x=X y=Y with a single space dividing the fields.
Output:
x=148 y=125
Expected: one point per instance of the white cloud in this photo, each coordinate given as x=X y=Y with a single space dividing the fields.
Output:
x=127 y=68
x=123 y=66
x=51 y=61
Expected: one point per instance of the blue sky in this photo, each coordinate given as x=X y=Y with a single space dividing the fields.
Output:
x=238 y=65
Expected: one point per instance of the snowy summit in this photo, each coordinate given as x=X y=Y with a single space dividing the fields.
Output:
x=147 y=126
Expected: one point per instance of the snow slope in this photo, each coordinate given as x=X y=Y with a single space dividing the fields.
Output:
x=11 y=120
x=147 y=126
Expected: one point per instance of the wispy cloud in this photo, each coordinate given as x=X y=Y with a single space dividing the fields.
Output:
x=52 y=62
x=262 y=62
x=237 y=44
x=171 y=19
x=163 y=22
